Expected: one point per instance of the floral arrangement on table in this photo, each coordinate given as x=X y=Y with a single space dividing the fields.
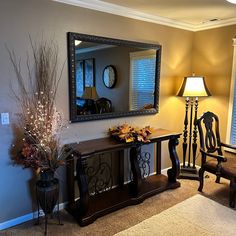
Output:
x=129 y=134
x=39 y=121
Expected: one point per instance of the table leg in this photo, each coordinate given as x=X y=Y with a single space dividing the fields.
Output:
x=121 y=168
x=83 y=187
x=137 y=178
x=158 y=158
x=173 y=173
x=70 y=179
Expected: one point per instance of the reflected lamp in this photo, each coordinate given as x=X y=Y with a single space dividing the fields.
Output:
x=90 y=93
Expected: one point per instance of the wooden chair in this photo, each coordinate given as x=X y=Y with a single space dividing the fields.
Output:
x=104 y=105
x=213 y=159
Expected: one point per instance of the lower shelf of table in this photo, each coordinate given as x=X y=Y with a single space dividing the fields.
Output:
x=118 y=198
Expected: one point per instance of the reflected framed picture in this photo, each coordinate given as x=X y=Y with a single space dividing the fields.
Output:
x=79 y=78
x=85 y=75
x=89 y=72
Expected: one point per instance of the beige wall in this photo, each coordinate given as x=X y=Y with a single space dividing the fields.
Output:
x=207 y=52
x=212 y=58
x=53 y=20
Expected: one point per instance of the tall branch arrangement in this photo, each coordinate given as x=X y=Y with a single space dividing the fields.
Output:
x=36 y=96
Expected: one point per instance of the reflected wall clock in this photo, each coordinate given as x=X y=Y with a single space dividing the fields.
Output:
x=109 y=76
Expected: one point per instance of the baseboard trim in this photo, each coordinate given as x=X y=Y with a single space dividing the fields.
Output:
x=21 y=219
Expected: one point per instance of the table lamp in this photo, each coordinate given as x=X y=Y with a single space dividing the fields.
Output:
x=90 y=93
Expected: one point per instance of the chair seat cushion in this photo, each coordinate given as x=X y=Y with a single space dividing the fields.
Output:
x=228 y=167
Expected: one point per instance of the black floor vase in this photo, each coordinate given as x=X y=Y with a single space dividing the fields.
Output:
x=47 y=193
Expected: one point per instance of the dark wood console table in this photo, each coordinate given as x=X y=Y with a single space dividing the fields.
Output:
x=88 y=208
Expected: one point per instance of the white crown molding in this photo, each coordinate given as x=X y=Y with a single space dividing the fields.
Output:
x=130 y=13
x=126 y=12
x=214 y=24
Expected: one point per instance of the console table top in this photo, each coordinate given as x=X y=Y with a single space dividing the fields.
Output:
x=101 y=145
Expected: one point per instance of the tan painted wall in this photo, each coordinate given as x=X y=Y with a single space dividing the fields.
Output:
x=208 y=53
x=212 y=58
x=53 y=20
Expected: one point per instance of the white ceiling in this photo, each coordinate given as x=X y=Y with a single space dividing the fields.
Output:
x=191 y=15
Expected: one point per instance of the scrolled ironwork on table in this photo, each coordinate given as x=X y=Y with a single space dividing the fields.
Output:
x=99 y=176
x=144 y=163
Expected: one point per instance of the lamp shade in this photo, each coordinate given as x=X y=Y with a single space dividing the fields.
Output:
x=193 y=86
x=90 y=93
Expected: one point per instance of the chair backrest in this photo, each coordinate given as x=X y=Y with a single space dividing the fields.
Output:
x=104 y=105
x=208 y=126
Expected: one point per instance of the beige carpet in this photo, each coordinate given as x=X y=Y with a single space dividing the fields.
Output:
x=197 y=215
x=127 y=217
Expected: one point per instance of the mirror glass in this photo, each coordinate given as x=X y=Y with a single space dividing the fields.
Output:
x=131 y=69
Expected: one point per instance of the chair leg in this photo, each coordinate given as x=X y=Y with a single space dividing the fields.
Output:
x=218 y=179
x=201 y=175
x=232 y=193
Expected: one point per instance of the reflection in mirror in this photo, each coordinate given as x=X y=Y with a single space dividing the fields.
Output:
x=109 y=76
x=134 y=79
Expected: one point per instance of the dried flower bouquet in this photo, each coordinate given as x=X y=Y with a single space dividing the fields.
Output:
x=129 y=134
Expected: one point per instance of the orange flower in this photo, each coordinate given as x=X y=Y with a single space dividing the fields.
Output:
x=25 y=151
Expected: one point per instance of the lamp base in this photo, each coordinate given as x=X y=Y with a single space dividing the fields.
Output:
x=188 y=172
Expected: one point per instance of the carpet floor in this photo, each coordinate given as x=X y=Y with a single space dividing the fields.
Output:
x=197 y=215
x=129 y=216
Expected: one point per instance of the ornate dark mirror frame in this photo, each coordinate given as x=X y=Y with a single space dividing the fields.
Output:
x=110 y=41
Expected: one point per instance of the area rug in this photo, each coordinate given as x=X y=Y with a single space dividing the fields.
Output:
x=195 y=216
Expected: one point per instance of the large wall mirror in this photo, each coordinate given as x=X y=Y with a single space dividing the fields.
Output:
x=111 y=78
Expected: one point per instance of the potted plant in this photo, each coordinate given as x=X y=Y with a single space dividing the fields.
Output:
x=39 y=120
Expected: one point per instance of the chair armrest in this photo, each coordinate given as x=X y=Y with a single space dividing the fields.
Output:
x=228 y=146
x=219 y=158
